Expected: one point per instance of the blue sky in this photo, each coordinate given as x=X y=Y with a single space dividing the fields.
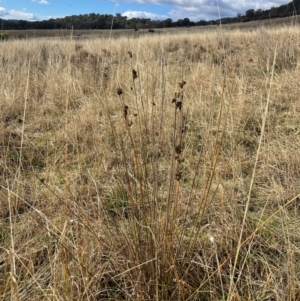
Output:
x=155 y=9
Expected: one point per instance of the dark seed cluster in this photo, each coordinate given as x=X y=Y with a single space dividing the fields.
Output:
x=134 y=74
x=178 y=100
x=180 y=129
x=119 y=91
x=125 y=111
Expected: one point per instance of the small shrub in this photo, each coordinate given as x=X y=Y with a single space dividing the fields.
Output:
x=4 y=36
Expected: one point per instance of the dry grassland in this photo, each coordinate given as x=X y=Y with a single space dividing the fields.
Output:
x=159 y=168
x=83 y=34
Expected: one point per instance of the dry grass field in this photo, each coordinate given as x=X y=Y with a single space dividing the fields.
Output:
x=83 y=34
x=161 y=167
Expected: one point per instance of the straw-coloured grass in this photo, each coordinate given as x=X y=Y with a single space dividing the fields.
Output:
x=154 y=168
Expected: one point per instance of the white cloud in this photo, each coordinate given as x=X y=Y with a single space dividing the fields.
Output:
x=17 y=15
x=143 y=14
x=202 y=9
x=45 y=2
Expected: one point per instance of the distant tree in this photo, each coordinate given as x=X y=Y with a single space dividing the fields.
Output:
x=183 y=22
x=258 y=13
x=202 y=23
x=168 y=22
x=250 y=13
x=273 y=12
x=186 y=22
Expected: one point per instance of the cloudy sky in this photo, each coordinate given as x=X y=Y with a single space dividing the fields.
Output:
x=155 y=9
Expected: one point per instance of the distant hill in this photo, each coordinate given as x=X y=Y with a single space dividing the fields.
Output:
x=98 y=21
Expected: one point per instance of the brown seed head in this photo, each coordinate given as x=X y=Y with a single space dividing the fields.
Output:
x=119 y=91
x=178 y=149
x=179 y=105
x=134 y=74
x=130 y=54
x=178 y=176
x=184 y=129
x=181 y=85
x=125 y=111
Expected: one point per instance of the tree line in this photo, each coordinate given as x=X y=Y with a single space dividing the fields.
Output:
x=106 y=21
